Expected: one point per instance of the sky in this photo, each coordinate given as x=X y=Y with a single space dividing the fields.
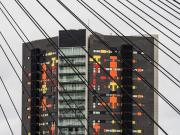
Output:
x=168 y=119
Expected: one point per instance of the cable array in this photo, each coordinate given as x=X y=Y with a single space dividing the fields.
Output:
x=153 y=24
x=165 y=10
x=12 y=102
x=6 y=119
x=165 y=72
x=173 y=4
x=150 y=61
x=169 y=7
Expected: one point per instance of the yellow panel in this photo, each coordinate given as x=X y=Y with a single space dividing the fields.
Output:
x=139 y=131
x=103 y=51
x=113 y=86
x=97 y=58
x=44 y=89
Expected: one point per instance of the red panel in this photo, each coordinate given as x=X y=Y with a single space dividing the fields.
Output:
x=94 y=82
x=103 y=77
x=53 y=68
x=53 y=127
x=139 y=69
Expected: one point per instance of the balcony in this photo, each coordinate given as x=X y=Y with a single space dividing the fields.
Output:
x=71 y=116
x=71 y=82
x=71 y=73
x=72 y=99
x=74 y=56
x=71 y=91
x=74 y=64
x=73 y=107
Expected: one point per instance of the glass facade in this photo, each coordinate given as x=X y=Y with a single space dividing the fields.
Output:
x=72 y=92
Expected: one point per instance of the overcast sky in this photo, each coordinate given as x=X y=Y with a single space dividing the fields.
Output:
x=168 y=119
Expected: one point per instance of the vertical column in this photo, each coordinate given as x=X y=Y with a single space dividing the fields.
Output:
x=127 y=81
x=35 y=86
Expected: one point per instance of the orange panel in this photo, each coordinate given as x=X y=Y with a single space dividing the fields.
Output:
x=44 y=77
x=44 y=103
x=113 y=65
x=139 y=114
x=113 y=73
x=113 y=101
x=44 y=67
x=113 y=58
x=96 y=127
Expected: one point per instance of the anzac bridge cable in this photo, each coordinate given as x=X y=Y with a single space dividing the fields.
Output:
x=165 y=10
x=6 y=118
x=176 y=2
x=135 y=24
x=99 y=98
x=158 y=93
x=116 y=82
x=15 y=108
x=150 y=24
x=169 y=7
x=139 y=31
x=165 y=99
x=25 y=72
x=159 y=14
x=173 y=4
x=148 y=58
x=158 y=23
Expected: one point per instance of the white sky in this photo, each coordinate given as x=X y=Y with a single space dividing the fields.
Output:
x=168 y=119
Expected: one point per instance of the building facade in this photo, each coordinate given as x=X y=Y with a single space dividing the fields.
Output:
x=67 y=104
x=122 y=62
